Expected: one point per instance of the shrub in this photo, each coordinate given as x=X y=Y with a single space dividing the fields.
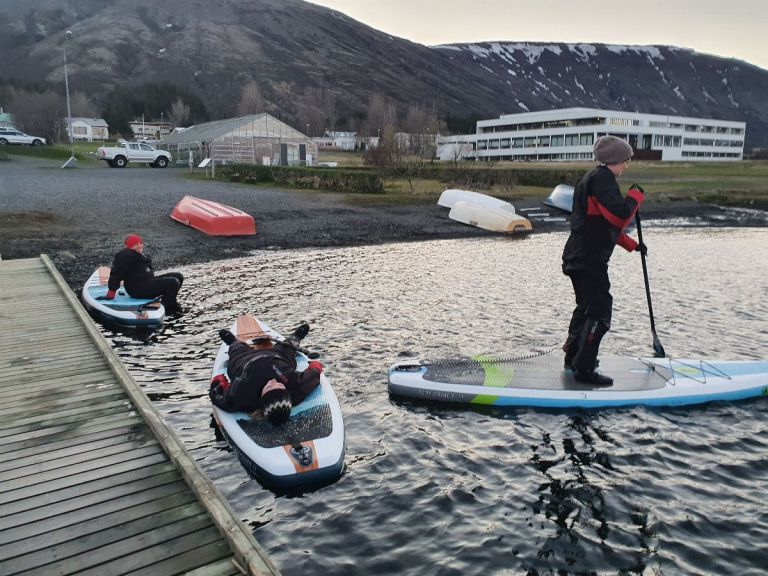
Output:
x=336 y=180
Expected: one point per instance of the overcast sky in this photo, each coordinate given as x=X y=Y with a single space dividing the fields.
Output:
x=729 y=28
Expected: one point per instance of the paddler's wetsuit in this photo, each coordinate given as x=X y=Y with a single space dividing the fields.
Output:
x=135 y=271
x=600 y=216
x=250 y=369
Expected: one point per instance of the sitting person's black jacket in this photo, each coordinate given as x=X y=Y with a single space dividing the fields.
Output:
x=130 y=267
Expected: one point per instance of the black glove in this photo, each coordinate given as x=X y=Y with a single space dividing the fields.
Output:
x=638 y=187
x=642 y=248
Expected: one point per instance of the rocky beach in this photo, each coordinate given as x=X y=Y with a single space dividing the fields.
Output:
x=79 y=217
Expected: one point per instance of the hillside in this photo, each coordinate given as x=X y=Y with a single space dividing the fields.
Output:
x=302 y=55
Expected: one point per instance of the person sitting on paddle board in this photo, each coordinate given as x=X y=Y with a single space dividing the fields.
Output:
x=264 y=378
x=134 y=269
x=598 y=222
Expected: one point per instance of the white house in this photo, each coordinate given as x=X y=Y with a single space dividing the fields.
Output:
x=569 y=135
x=88 y=129
x=338 y=140
x=150 y=130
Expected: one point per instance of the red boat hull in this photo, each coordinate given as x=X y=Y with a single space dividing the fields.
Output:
x=212 y=218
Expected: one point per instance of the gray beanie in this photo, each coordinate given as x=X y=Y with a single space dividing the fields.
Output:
x=612 y=150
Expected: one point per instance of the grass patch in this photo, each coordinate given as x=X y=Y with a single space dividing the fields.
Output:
x=83 y=152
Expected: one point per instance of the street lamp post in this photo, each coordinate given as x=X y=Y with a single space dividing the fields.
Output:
x=161 y=125
x=72 y=162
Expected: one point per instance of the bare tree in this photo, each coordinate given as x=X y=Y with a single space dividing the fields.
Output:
x=39 y=113
x=179 y=112
x=309 y=112
x=329 y=101
x=422 y=126
x=251 y=101
x=382 y=114
x=82 y=106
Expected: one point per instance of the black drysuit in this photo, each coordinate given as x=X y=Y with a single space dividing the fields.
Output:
x=599 y=218
x=135 y=271
x=278 y=362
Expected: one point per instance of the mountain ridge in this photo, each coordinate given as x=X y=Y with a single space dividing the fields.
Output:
x=300 y=53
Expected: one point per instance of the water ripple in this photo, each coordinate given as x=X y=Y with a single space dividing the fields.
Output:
x=450 y=490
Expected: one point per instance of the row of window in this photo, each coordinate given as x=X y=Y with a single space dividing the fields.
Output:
x=704 y=129
x=705 y=142
x=537 y=141
x=534 y=157
x=543 y=125
x=687 y=154
x=698 y=128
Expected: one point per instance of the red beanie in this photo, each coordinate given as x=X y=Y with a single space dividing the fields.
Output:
x=132 y=240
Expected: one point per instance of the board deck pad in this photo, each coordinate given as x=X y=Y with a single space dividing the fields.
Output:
x=309 y=424
x=543 y=372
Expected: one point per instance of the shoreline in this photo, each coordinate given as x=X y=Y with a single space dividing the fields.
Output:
x=79 y=217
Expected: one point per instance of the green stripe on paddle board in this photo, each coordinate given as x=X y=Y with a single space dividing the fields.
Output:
x=496 y=376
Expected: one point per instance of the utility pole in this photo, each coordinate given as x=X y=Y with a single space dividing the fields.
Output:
x=72 y=162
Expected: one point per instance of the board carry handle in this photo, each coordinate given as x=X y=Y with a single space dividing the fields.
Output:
x=658 y=349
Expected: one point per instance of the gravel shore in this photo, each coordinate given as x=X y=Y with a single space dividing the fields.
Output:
x=79 y=217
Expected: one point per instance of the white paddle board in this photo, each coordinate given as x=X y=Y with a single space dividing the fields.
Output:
x=122 y=310
x=541 y=381
x=308 y=449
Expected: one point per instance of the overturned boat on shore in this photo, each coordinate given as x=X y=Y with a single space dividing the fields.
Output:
x=213 y=218
x=483 y=211
x=561 y=197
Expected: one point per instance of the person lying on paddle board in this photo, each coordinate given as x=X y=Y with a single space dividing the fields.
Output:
x=264 y=379
x=598 y=222
x=134 y=269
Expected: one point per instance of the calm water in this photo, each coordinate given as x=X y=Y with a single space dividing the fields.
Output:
x=452 y=490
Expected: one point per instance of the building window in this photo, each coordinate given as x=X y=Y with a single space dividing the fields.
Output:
x=571 y=139
x=530 y=142
x=482 y=144
x=517 y=143
x=558 y=140
x=544 y=141
x=504 y=143
x=586 y=139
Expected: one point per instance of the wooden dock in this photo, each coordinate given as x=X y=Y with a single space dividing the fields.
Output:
x=92 y=481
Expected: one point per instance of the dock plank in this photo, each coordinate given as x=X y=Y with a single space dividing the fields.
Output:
x=92 y=481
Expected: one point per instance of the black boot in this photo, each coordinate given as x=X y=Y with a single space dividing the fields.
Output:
x=227 y=336
x=585 y=360
x=594 y=378
x=301 y=332
x=571 y=347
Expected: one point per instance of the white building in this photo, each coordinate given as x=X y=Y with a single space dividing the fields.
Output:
x=334 y=140
x=569 y=135
x=88 y=129
x=144 y=130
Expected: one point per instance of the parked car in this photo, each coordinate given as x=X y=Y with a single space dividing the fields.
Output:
x=12 y=136
x=119 y=156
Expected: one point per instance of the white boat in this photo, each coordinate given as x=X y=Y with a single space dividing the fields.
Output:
x=450 y=197
x=488 y=218
x=561 y=197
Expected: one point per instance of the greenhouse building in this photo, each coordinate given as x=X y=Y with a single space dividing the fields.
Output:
x=254 y=139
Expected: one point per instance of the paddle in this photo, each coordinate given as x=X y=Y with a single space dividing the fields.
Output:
x=658 y=349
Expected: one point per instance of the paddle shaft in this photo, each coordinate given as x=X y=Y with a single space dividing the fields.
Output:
x=658 y=349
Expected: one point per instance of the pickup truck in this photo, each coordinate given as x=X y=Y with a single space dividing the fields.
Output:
x=119 y=156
